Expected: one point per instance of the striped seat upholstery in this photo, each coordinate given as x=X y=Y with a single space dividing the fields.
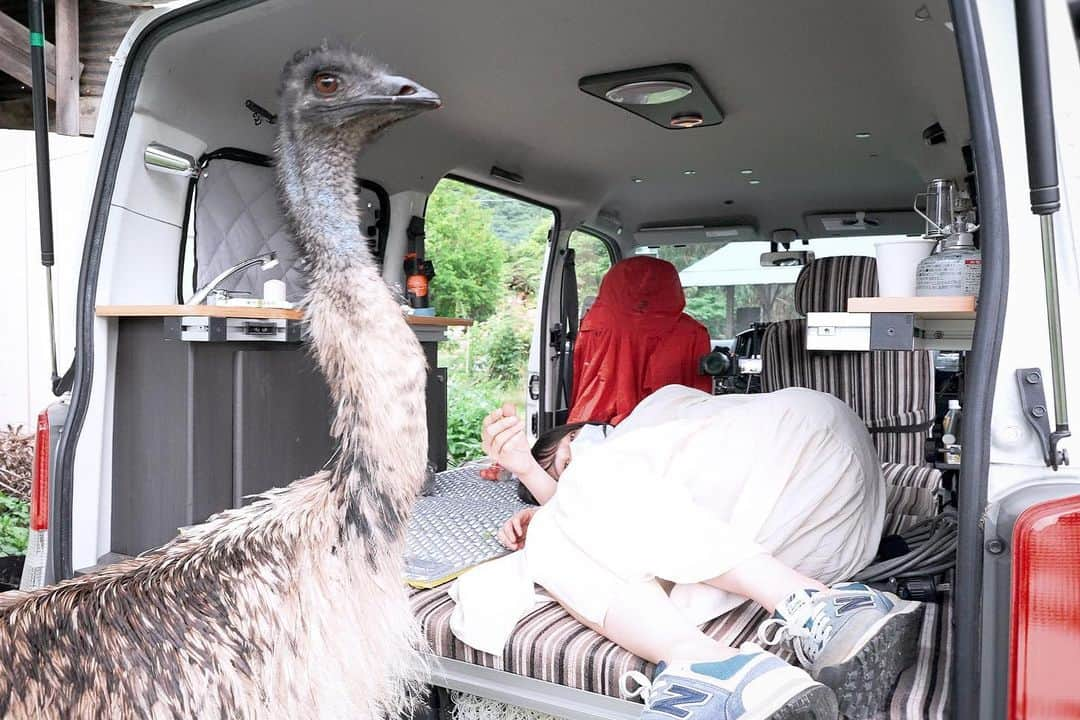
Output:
x=552 y=646
x=911 y=495
x=892 y=391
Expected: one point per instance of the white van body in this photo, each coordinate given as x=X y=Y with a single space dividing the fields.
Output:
x=131 y=250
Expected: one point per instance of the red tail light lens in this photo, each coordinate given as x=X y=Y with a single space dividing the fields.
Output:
x=39 y=492
x=1045 y=647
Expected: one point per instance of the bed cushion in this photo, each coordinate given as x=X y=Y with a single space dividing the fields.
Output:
x=550 y=645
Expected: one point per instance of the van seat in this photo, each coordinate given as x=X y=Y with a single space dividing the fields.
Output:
x=892 y=391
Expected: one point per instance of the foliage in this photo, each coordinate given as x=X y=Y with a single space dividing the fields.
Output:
x=468 y=256
x=513 y=221
x=468 y=403
x=14 y=525
x=16 y=461
x=592 y=261
x=525 y=260
x=501 y=347
x=488 y=251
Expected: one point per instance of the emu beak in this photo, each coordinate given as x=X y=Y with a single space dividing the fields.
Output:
x=406 y=92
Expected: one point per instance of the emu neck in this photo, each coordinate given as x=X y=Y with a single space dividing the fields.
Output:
x=370 y=357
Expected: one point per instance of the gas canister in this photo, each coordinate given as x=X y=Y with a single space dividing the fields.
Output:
x=956 y=269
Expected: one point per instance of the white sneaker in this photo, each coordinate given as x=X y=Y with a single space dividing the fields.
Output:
x=752 y=685
x=853 y=638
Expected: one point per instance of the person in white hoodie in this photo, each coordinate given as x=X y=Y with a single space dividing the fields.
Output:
x=688 y=507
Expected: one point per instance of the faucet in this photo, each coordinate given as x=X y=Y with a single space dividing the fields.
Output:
x=267 y=261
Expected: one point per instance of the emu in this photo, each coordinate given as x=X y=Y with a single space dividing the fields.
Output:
x=293 y=606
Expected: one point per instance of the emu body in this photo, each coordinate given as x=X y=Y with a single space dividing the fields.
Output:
x=294 y=605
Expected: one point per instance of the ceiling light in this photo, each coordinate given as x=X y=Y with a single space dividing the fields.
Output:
x=862 y=135
x=689 y=172
x=648 y=92
x=637 y=179
x=755 y=181
x=659 y=93
x=687 y=120
x=747 y=171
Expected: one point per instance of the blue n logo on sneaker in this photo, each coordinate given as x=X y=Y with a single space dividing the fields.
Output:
x=679 y=696
x=852 y=602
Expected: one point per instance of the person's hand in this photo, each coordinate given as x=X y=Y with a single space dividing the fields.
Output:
x=504 y=441
x=512 y=533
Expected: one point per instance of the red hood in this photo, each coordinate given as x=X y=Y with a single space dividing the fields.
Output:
x=634 y=340
x=642 y=286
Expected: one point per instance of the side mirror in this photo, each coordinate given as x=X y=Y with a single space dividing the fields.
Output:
x=164 y=159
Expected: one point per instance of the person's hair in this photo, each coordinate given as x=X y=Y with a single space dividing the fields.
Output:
x=543 y=451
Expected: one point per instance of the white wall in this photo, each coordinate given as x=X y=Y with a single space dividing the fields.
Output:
x=24 y=331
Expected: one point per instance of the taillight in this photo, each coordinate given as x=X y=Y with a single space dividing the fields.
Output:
x=1045 y=633
x=39 y=491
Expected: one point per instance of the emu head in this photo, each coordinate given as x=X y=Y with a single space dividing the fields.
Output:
x=340 y=92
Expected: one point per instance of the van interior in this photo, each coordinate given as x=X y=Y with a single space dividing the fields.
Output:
x=808 y=128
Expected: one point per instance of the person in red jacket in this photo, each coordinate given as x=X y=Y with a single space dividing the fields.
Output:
x=634 y=340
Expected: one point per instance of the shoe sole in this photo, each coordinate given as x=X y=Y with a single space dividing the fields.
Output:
x=814 y=703
x=864 y=682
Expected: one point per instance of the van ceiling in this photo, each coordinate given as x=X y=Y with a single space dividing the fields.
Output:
x=796 y=82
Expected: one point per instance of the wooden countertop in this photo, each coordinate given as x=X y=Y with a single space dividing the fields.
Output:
x=227 y=311
x=956 y=307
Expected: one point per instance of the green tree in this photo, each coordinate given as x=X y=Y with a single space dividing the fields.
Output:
x=468 y=257
x=524 y=261
x=592 y=261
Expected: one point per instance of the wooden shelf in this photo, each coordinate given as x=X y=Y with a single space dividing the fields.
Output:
x=224 y=311
x=945 y=308
x=229 y=311
x=894 y=323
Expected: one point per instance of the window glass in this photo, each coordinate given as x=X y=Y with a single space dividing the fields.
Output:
x=487 y=250
x=592 y=260
x=727 y=289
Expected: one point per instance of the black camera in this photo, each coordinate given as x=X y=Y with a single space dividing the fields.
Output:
x=718 y=363
x=735 y=369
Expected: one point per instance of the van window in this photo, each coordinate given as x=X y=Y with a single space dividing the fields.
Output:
x=488 y=250
x=592 y=258
x=727 y=289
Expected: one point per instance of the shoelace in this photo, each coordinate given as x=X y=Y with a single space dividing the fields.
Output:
x=807 y=641
x=646 y=687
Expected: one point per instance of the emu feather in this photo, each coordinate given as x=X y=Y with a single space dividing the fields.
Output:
x=292 y=606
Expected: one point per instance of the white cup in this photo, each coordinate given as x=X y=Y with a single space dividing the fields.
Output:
x=897 y=261
x=274 y=291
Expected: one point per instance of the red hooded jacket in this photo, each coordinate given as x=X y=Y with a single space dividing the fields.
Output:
x=634 y=340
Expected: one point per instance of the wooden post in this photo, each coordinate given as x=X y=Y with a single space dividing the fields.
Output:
x=15 y=54
x=68 y=68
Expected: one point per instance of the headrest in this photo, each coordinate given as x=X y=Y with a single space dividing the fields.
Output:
x=826 y=284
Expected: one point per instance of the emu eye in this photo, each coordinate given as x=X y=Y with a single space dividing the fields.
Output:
x=326 y=83
x=406 y=90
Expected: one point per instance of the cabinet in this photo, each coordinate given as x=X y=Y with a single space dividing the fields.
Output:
x=200 y=426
